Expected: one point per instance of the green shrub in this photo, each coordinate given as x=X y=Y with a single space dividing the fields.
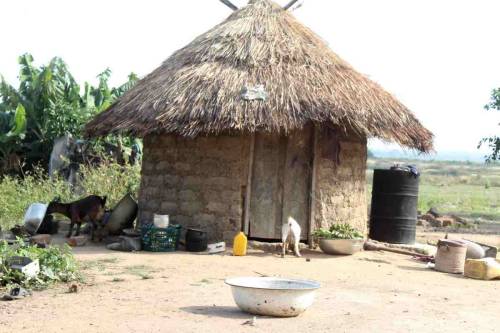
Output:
x=57 y=264
x=110 y=179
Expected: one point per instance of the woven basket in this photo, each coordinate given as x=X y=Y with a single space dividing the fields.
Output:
x=450 y=256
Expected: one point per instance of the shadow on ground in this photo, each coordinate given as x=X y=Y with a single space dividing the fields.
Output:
x=217 y=311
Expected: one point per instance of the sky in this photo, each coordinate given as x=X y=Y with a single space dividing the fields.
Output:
x=440 y=58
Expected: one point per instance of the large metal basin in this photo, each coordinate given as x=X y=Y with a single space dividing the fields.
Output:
x=269 y=296
x=341 y=246
x=34 y=217
x=122 y=216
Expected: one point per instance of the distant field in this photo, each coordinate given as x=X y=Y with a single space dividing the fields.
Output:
x=463 y=188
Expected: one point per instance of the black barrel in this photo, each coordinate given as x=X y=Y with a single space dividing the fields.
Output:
x=196 y=240
x=394 y=206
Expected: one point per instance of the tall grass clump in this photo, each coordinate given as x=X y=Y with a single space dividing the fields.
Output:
x=110 y=179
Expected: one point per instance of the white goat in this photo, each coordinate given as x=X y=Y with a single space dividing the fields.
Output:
x=290 y=234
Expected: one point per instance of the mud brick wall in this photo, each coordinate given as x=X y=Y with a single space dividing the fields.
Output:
x=198 y=182
x=340 y=193
x=201 y=183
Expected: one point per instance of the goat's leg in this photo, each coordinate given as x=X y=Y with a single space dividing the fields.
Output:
x=93 y=228
x=70 y=229
x=296 y=247
x=78 y=226
x=74 y=219
x=284 y=248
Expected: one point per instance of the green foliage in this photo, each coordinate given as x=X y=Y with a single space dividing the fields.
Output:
x=103 y=96
x=17 y=193
x=112 y=180
x=12 y=132
x=339 y=231
x=57 y=264
x=493 y=142
x=13 y=125
x=494 y=103
x=48 y=105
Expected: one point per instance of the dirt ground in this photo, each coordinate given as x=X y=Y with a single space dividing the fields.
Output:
x=181 y=292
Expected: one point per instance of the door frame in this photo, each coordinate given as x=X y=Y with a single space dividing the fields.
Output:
x=248 y=195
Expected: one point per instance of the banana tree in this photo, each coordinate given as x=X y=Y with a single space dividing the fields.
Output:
x=103 y=95
x=12 y=131
x=53 y=105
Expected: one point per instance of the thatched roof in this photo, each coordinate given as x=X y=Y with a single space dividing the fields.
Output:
x=200 y=89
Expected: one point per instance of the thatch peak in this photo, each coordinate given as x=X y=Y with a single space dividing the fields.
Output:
x=259 y=70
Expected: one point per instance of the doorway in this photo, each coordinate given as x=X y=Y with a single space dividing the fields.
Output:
x=281 y=180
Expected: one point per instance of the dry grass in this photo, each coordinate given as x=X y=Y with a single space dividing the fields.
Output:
x=198 y=90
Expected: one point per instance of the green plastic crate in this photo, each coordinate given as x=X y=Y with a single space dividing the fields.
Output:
x=160 y=239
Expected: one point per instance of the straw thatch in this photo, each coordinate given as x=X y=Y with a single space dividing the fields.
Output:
x=198 y=90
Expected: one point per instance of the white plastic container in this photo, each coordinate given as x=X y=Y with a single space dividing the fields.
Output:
x=216 y=248
x=161 y=221
x=30 y=268
x=34 y=217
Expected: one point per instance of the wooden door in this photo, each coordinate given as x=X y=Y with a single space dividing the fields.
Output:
x=297 y=179
x=280 y=183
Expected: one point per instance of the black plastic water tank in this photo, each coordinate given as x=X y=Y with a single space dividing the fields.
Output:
x=393 y=217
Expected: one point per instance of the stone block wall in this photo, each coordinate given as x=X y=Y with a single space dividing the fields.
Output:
x=198 y=182
x=340 y=194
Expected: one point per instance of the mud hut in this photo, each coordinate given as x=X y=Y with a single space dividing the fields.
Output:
x=254 y=121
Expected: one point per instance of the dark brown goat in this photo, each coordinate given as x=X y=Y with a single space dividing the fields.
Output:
x=89 y=209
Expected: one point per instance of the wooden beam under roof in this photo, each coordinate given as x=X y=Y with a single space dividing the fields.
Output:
x=229 y=4
x=290 y=4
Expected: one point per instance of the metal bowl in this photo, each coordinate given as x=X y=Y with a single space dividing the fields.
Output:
x=269 y=296
x=341 y=246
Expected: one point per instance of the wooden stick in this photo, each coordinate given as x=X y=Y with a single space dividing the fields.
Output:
x=246 y=223
x=312 y=195
x=229 y=4
x=290 y=4
x=282 y=156
x=369 y=246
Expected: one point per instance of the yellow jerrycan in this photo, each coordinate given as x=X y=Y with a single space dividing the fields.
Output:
x=240 y=245
x=482 y=269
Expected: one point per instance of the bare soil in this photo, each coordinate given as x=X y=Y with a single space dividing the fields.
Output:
x=182 y=292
